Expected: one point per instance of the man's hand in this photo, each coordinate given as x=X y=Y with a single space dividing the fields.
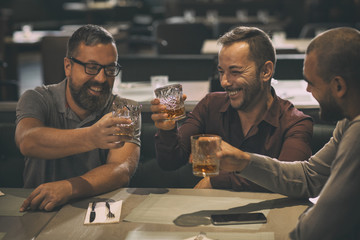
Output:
x=204 y=184
x=47 y=196
x=232 y=159
x=103 y=132
x=158 y=116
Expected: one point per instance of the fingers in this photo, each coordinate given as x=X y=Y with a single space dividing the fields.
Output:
x=155 y=101
x=47 y=196
x=165 y=125
x=33 y=201
x=157 y=108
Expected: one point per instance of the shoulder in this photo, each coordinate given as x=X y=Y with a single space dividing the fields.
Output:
x=348 y=129
x=39 y=94
x=46 y=92
x=290 y=114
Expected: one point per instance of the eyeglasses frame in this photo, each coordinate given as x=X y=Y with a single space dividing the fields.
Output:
x=118 y=66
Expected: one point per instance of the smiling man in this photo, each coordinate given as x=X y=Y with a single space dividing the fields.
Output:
x=66 y=130
x=249 y=114
x=331 y=69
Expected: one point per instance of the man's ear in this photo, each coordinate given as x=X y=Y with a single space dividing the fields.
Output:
x=267 y=71
x=338 y=86
x=67 y=66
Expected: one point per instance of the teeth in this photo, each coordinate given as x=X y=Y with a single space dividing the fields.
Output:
x=233 y=92
x=96 y=89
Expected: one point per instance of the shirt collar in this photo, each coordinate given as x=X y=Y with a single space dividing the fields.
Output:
x=271 y=116
x=59 y=92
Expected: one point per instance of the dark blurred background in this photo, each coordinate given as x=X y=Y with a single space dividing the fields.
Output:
x=150 y=27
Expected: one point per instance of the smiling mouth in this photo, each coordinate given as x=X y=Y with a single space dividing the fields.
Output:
x=233 y=92
x=96 y=90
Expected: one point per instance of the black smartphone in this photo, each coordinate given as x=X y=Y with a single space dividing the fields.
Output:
x=238 y=218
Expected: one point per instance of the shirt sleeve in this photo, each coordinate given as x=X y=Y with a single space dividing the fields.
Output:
x=336 y=213
x=300 y=179
x=32 y=104
x=173 y=147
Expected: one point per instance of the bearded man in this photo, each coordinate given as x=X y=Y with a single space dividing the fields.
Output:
x=66 y=130
x=248 y=115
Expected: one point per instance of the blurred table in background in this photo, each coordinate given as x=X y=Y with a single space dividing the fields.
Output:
x=143 y=92
x=210 y=46
x=99 y=12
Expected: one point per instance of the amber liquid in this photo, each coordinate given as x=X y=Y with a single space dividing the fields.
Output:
x=203 y=170
x=175 y=113
x=126 y=130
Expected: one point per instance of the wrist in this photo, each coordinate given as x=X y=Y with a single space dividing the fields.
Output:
x=79 y=187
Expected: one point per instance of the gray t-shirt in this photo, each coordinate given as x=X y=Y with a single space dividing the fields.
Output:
x=48 y=104
x=333 y=173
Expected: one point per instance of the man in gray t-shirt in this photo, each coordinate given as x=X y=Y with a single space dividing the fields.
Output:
x=331 y=68
x=66 y=131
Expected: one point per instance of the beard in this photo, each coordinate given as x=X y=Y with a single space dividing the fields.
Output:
x=85 y=100
x=250 y=94
x=330 y=109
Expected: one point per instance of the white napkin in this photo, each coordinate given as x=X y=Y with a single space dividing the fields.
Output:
x=102 y=211
x=1 y=193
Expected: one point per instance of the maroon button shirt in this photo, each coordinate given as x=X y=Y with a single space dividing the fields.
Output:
x=284 y=133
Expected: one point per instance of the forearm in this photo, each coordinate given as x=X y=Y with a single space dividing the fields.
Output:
x=110 y=176
x=169 y=152
x=50 y=143
x=287 y=178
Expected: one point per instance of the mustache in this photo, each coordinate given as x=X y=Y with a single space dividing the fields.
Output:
x=232 y=89
x=104 y=85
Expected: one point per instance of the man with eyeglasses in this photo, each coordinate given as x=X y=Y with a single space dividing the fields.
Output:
x=66 y=130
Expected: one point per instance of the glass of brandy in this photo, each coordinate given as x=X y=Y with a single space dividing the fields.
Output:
x=203 y=150
x=172 y=97
x=123 y=110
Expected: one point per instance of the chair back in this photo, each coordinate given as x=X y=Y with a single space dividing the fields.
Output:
x=53 y=52
x=181 y=37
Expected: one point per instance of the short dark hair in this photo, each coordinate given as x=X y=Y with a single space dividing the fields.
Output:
x=260 y=45
x=90 y=35
x=338 y=54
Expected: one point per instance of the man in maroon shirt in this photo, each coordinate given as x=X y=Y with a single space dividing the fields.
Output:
x=248 y=115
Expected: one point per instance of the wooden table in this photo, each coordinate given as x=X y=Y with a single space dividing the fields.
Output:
x=68 y=222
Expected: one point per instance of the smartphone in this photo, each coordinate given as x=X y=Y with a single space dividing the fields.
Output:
x=238 y=218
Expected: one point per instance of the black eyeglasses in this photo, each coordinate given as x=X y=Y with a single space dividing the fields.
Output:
x=94 y=68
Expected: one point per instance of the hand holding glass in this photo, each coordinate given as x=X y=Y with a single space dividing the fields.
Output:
x=172 y=97
x=132 y=112
x=203 y=149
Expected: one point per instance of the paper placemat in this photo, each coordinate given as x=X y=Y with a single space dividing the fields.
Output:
x=150 y=235
x=189 y=211
x=101 y=212
x=12 y=206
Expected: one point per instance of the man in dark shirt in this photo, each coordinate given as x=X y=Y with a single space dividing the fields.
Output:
x=249 y=114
